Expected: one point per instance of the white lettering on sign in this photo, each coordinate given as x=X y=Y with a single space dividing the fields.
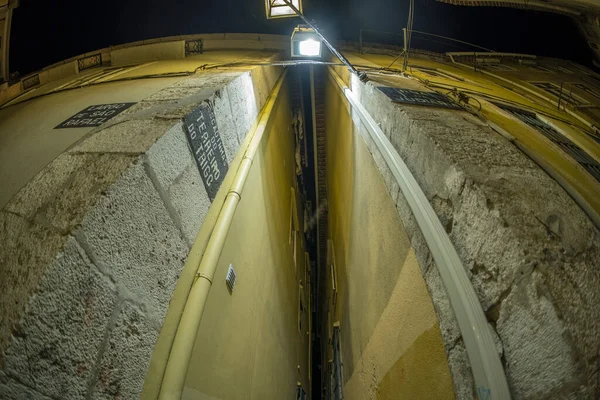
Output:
x=207 y=148
x=95 y=115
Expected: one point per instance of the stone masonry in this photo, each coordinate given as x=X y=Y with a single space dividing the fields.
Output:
x=92 y=247
x=531 y=252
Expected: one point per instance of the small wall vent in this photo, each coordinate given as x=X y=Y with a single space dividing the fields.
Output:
x=230 y=279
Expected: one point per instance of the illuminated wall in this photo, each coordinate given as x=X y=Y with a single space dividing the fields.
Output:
x=390 y=340
x=512 y=176
x=253 y=343
x=97 y=221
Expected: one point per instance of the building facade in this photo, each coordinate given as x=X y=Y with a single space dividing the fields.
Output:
x=585 y=12
x=512 y=175
x=195 y=217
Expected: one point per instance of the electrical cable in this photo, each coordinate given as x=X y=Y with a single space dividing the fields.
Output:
x=455 y=40
x=362 y=76
x=433 y=85
x=406 y=36
x=203 y=67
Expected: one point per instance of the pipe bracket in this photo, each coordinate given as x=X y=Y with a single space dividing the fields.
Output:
x=201 y=275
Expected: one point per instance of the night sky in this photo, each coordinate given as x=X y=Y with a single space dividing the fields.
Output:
x=44 y=32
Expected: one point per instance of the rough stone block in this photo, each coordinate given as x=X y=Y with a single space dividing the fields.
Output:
x=443 y=308
x=209 y=79
x=171 y=162
x=244 y=106
x=507 y=219
x=190 y=201
x=460 y=369
x=132 y=237
x=95 y=174
x=132 y=136
x=539 y=359
x=263 y=79
x=226 y=123
x=27 y=250
x=124 y=364
x=170 y=156
x=55 y=347
x=45 y=186
x=173 y=93
x=11 y=389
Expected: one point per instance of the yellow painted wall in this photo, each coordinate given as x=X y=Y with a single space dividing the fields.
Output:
x=28 y=140
x=151 y=52
x=249 y=345
x=390 y=339
x=486 y=88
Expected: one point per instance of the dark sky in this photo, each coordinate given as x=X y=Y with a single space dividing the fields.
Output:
x=44 y=32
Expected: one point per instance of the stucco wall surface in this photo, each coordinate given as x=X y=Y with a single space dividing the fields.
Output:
x=93 y=246
x=530 y=251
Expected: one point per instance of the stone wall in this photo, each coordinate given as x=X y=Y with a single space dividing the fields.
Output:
x=531 y=252
x=92 y=247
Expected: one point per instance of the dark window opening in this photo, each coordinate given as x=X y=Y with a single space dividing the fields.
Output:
x=574 y=151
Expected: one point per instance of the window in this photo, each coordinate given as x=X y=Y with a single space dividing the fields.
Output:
x=332 y=274
x=333 y=285
x=497 y=67
x=563 y=69
x=438 y=74
x=593 y=80
x=306 y=270
x=301 y=308
x=293 y=225
x=582 y=69
x=539 y=68
x=561 y=92
x=94 y=77
x=329 y=380
x=300 y=393
x=574 y=151
x=337 y=363
x=522 y=93
x=586 y=89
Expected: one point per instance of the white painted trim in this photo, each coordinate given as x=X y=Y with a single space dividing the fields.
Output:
x=487 y=369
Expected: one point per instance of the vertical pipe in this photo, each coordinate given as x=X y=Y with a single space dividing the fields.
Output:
x=183 y=344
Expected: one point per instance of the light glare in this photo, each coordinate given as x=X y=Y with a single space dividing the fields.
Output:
x=310 y=48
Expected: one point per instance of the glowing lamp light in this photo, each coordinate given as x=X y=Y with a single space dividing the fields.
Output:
x=310 y=48
x=306 y=43
x=280 y=9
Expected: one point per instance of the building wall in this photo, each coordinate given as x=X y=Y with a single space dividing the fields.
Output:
x=94 y=245
x=250 y=345
x=512 y=203
x=391 y=343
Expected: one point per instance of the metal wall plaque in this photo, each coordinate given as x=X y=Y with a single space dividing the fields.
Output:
x=418 y=97
x=201 y=129
x=94 y=115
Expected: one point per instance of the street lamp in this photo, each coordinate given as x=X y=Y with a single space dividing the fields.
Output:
x=305 y=43
x=281 y=9
x=307 y=47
